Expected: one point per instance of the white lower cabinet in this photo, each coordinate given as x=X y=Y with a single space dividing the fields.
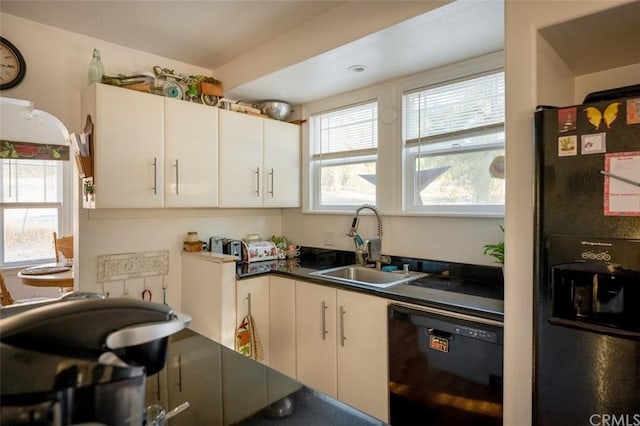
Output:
x=341 y=342
x=316 y=341
x=282 y=325
x=363 y=377
x=253 y=297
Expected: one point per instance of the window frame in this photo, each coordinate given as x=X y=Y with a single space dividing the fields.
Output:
x=410 y=153
x=64 y=208
x=390 y=185
x=357 y=156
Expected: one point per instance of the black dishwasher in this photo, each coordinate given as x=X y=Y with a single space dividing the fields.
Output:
x=445 y=368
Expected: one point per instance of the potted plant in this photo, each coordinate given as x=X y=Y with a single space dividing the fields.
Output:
x=496 y=250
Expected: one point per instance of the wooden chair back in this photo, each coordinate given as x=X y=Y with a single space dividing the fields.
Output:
x=64 y=245
x=5 y=296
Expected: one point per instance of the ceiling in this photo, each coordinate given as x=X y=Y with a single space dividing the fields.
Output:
x=297 y=51
x=610 y=38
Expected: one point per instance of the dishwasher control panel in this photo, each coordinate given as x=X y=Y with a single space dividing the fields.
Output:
x=476 y=333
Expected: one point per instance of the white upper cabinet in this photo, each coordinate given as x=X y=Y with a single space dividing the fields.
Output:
x=128 y=152
x=281 y=153
x=259 y=161
x=151 y=151
x=191 y=154
x=240 y=150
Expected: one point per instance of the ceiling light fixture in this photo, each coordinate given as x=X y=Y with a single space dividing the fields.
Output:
x=357 y=68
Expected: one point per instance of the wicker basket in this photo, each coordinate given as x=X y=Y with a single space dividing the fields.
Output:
x=210 y=89
x=193 y=246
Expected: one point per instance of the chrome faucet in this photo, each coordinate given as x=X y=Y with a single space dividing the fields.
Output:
x=368 y=250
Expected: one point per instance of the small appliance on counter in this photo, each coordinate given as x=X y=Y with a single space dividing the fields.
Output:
x=215 y=244
x=258 y=251
x=232 y=247
x=82 y=360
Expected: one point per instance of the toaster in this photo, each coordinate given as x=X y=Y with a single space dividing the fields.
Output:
x=232 y=247
x=258 y=251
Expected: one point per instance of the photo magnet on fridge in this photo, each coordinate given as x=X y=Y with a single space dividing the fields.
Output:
x=633 y=111
x=567 y=119
x=593 y=144
x=567 y=146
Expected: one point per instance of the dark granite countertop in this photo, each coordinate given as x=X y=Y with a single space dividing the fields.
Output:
x=470 y=289
x=257 y=397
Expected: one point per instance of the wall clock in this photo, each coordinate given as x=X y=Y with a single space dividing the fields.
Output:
x=12 y=65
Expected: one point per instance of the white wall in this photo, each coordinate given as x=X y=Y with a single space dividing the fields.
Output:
x=528 y=63
x=618 y=77
x=57 y=66
x=457 y=239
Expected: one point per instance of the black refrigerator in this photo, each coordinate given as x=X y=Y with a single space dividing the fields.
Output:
x=587 y=263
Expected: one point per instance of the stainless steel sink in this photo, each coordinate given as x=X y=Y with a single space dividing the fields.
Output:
x=367 y=276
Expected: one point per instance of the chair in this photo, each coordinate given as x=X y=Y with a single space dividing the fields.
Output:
x=63 y=245
x=5 y=296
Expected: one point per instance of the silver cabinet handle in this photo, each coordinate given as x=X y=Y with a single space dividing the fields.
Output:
x=155 y=176
x=180 y=373
x=257 y=181
x=271 y=174
x=324 y=321
x=342 y=336
x=177 y=178
x=249 y=303
x=158 y=382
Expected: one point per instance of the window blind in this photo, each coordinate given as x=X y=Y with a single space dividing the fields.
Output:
x=474 y=103
x=31 y=181
x=349 y=129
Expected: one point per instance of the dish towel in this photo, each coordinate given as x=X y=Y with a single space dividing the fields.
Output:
x=247 y=339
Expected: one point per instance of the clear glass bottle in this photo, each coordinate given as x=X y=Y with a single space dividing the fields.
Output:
x=96 y=69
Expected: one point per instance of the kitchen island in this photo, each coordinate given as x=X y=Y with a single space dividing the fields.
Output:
x=224 y=387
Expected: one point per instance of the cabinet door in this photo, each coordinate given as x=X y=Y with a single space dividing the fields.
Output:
x=253 y=298
x=281 y=164
x=316 y=337
x=194 y=375
x=362 y=353
x=240 y=160
x=128 y=146
x=191 y=154
x=282 y=325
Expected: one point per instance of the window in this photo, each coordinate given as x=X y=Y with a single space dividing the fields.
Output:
x=454 y=147
x=344 y=146
x=31 y=209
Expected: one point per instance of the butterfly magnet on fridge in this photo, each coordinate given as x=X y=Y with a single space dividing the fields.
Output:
x=609 y=115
